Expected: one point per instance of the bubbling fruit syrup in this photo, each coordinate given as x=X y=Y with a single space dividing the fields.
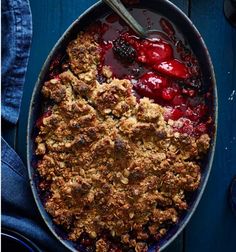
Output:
x=162 y=68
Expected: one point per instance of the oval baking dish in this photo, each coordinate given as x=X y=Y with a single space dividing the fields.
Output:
x=190 y=33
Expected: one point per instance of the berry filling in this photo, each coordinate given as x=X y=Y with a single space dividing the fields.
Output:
x=172 y=68
x=123 y=50
x=162 y=68
x=151 y=51
x=151 y=85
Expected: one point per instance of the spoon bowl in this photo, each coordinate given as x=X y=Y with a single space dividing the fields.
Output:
x=120 y=10
x=154 y=35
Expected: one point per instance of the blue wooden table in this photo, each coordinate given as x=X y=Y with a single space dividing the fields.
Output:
x=213 y=226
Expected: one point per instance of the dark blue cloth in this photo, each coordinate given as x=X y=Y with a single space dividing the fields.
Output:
x=19 y=211
x=16 y=40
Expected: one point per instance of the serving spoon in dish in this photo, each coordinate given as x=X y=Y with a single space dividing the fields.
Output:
x=120 y=9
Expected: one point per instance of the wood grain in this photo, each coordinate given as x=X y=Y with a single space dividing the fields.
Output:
x=213 y=226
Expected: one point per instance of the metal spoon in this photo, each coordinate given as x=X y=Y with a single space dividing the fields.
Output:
x=120 y=9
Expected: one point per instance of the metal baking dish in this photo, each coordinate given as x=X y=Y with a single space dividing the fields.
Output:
x=189 y=31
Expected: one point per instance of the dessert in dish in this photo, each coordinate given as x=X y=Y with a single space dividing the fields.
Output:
x=124 y=130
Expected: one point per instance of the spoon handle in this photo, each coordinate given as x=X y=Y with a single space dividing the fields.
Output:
x=120 y=9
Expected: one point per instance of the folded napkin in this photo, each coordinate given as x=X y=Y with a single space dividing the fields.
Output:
x=16 y=40
x=19 y=211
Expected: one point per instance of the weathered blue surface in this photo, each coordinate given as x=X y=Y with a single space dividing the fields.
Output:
x=213 y=226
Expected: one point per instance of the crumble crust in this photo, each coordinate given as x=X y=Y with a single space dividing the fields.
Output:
x=112 y=162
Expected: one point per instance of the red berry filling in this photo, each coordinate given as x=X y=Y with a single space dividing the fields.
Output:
x=153 y=52
x=161 y=68
x=151 y=85
x=156 y=73
x=150 y=51
x=173 y=68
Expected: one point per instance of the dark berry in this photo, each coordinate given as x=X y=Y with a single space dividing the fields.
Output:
x=195 y=83
x=124 y=50
x=101 y=79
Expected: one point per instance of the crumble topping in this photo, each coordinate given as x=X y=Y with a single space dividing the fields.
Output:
x=84 y=56
x=112 y=162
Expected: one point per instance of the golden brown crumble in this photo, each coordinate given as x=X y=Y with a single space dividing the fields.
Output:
x=112 y=163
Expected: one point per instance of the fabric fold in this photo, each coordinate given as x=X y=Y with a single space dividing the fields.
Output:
x=19 y=211
x=16 y=40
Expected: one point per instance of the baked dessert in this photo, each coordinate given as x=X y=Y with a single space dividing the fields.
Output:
x=122 y=137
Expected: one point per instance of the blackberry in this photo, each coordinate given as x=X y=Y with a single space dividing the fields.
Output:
x=191 y=83
x=124 y=50
x=196 y=83
x=101 y=78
